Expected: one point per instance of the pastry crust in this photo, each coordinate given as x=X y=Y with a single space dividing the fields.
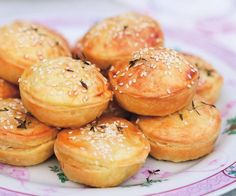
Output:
x=154 y=81
x=210 y=82
x=185 y=135
x=23 y=44
x=117 y=37
x=8 y=90
x=103 y=153
x=24 y=140
x=64 y=92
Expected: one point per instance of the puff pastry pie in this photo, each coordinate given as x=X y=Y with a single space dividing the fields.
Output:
x=23 y=44
x=24 y=141
x=154 y=81
x=103 y=153
x=210 y=82
x=185 y=135
x=64 y=92
x=117 y=37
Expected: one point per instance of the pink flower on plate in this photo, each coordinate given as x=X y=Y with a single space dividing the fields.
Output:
x=145 y=173
x=19 y=173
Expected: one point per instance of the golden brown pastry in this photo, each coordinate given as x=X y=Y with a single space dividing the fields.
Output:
x=185 y=135
x=64 y=92
x=24 y=141
x=117 y=37
x=103 y=153
x=23 y=44
x=154 y=81
x=210 y=82
x=8 y=90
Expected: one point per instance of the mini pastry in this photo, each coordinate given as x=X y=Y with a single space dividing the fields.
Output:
x=185 y=135
x=64 y=92
x=210 y=82
x=23 y=44
x=117 y=37
x=154 y=81
x=102 y=154
x=8 y=90
x=24 y=141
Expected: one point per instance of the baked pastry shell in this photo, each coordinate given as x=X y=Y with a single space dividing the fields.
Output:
x=99 y=177
x=12 y=66
x=82 y=167
x=63 y=116
x=210 y=82
x=24 y=140
x=176 y=145
x=104 y=49
x=29 y=156
x=155 y=106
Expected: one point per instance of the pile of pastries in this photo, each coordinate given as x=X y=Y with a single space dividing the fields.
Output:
x=107 y=103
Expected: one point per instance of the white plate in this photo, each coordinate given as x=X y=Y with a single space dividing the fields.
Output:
x=215 y=173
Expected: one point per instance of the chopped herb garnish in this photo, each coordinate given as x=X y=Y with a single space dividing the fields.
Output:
x=119 y=128
x=22 y=124
x=57 y=43
x=69 y=70
x=60 y=173
x=84 y=84
x=62 y=177
x=133 y=62
x=93 y=128
x=102 y=126
x=154 y=172
x=208 y=104
x=28 y=113
x=181 y=116
x=34 y=29
x=231 y=121
x=231 y=130
x=194 y=108
x=149 y=181
x=209 y=72
x=86 y=62
x=94 y=125
x=54 y=168
x=4 y=110
x=125 y=27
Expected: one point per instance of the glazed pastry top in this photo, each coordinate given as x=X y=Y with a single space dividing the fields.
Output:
x=153 y=72
x=121 y=35
x=25 y=43
x=110 y=140
x=198 y=122
x=20 y=129
x=65 y=82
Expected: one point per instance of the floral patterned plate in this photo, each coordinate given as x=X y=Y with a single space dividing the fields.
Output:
x=215 y=173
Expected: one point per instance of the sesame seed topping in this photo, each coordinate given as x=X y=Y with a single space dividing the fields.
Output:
x=189 y=76
x=189 y=85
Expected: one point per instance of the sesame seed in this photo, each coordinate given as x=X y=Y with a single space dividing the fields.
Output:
x=189 y=76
